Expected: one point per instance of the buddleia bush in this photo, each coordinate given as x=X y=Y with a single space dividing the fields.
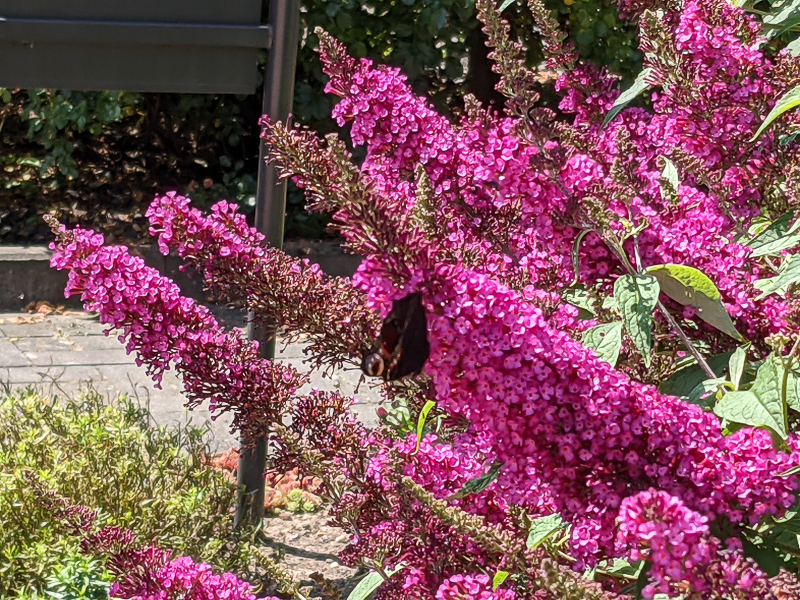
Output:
x=608 y=401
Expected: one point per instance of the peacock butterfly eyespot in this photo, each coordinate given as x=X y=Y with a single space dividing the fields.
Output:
x=402 y=346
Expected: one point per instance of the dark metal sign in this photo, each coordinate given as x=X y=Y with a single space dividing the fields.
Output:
x=145 y=45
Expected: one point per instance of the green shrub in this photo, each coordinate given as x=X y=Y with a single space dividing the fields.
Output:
x=151 y=480
x=79 y=578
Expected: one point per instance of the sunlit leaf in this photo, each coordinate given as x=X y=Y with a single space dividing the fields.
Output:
x=782 y=234
x=788 y=274
x=542 y=528
x=637 y=296
x=423 y=415
x=691 y=287
x=783 y=15
x=606 y=340
x=578 y=296
x=576 y=246
x=478 y=484
x=498 y=579
x=736 y=366
x=787 y=102
x=683 y=381
x=370 y=583
x=639 y=85
x=761 y=405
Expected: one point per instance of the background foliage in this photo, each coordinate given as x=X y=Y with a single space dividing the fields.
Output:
x=97 y=158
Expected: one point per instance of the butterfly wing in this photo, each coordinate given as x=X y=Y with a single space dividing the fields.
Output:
x=413 y=343
x=402 y=346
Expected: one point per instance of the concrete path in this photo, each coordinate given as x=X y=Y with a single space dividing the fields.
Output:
x=61 y=354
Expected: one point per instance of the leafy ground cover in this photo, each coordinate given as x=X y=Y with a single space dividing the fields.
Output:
x=158 y=484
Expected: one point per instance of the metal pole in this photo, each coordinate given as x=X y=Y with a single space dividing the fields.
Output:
x=284 y=19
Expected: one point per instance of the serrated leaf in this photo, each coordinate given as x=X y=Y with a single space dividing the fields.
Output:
x=780 y=235
x=788 y=274
x=579 y=297
x=787 y=102
x=606 y=340
x=736 y=366
x=639 y=85
x=498 y=579
x=637 y=296
x=691 y=287
x=423 y=415
x=761 y=405
x=684 y=380
x=370 y=583
x=542 y=528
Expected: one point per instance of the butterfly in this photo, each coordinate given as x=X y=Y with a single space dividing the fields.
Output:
x=402 y=346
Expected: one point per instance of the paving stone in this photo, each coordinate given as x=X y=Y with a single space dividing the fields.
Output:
x=26 y=330
x=79 y=374
x=77 y=324
x=80 y=357
x=68 y=354
x=10 y=355
x=42 y=345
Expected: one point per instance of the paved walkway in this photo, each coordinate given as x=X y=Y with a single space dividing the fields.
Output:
x=61 y=354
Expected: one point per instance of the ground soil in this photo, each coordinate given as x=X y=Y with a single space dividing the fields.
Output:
x=307 y=544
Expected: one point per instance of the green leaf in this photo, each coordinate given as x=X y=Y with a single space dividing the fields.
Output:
x=423 y=415
x=542 y=528
x=793 y=47
x=579 y=297
x=610 y=303
x=700 y=393
x=787 y=102
x=783 y=15
x=791 y=378
x=789 y=472
x=637 y=296
x=788 y=274
x=576 y=246
x=766 y=557
x=498 y=579
x=505 y=5
x=370 y=583
x=691 y=287
x=761 y=405
x=478 y=484
x=606 y=340
x=736 y=366
x=780 y=235
x=623 y=569
x=669 y=175
x=639 y=85
x=684 y=380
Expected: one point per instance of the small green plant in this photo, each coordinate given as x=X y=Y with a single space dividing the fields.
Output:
x=79 y=578
x=153 y=481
